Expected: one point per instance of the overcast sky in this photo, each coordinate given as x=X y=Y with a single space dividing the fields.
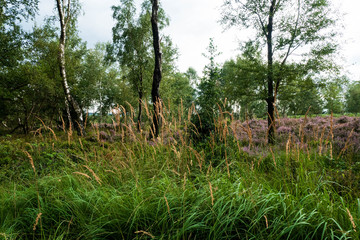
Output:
x=194 y=22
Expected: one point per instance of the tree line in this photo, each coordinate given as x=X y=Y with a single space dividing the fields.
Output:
x=286 y=66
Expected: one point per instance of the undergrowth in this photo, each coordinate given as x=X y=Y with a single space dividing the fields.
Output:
x=115 y=183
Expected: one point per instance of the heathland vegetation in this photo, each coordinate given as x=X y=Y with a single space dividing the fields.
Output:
x=263 y=146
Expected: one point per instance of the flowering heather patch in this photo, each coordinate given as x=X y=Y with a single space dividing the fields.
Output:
x=342 y=131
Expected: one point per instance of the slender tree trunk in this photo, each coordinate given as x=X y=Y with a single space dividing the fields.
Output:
x=140 y=92
x=270 y=77
x=155 y=95
x=70 y=102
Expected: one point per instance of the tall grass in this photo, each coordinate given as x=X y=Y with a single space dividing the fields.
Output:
x=116 y=183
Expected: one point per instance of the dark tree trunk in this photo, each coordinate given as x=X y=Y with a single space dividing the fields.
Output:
x=157 y=70
x=270 y=76
x=72 y=107
x=140 y=92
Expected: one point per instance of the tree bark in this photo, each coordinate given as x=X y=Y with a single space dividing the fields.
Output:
x=72 y=107
x=155 y=95
x=270 y=76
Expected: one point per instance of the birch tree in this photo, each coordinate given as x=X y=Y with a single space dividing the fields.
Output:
x=131 y=47
x=73 y=109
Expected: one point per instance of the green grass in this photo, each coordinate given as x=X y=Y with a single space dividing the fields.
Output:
x=137 y=190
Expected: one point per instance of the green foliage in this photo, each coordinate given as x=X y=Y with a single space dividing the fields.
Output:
x=12 y=13
x=132 y=45
x=210 y=93
x=244 y=81
x=299 y=95
x=177 y=90
x=132 y=48
x=334 y=95
x=283 y=28
x=353 y=98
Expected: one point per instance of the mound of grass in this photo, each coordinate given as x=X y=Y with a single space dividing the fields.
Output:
x=127 y=187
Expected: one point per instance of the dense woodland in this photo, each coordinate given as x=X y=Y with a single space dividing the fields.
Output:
x=114 y=142
x=121 y=71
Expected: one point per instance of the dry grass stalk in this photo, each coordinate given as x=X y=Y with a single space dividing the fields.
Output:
x=114 y=124
x=188 y=168
x=177 y=153
x=63 y=124
x=268 y=129
x=129 y=128
x=176 y=173
x=82 y=174
x=316 y=133
x=53 y=133
x=211 y=194
x=190 y=113
x=266 y=221
x=38 y=132
x=196 y=131
x=82 y=147
x=69 y=134
x=94 y=175
x=145 y=233
x=301 y=134
x=198 y=157
x=97 y=132
x=37 y=221
x=288 y=146
x=320 y=141
x=31 y=160
x=351 y=219
x=147 y=110
x=79 y=126
x=248 y=131
x=86 y=118
x=209 y=169
x=167 y=205
x=47 y=128
x=132 y=111
x=125 y=115
x=182 y=139
x=331 y=151
x=70 y=222
x=238 y=145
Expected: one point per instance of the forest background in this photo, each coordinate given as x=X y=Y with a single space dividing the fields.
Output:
x=261 y=141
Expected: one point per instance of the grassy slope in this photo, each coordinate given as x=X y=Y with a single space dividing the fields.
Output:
x=135 y=189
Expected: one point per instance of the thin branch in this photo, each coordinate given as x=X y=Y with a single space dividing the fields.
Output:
x=293 y=37
x=61 y=13
x=68 y=17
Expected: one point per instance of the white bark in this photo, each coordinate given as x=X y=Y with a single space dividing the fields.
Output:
x=70 y=102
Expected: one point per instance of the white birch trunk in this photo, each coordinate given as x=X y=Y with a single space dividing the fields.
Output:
x=71 y=104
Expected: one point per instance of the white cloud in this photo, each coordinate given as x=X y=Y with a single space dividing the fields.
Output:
x=193 y=22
